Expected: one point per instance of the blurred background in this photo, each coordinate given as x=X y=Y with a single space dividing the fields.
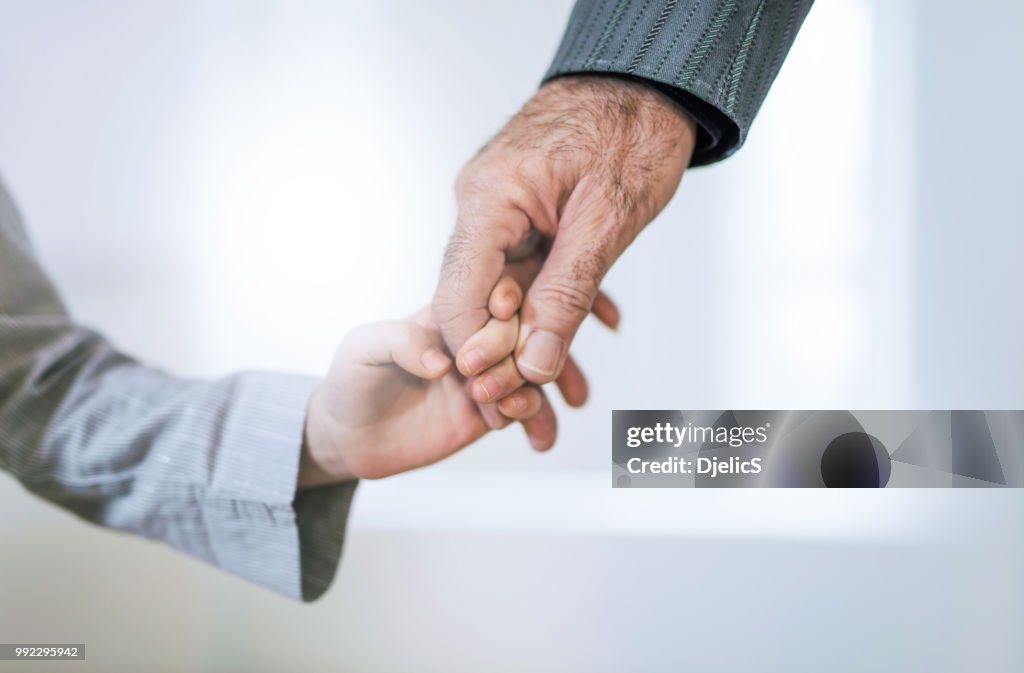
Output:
x=232 y=185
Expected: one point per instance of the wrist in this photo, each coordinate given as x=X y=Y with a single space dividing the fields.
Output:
x=633 y=98
x=321 y=461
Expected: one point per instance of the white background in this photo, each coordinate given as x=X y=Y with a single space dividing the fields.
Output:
x=222 y=186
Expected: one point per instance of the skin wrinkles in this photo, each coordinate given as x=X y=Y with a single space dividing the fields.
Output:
x=558 y=194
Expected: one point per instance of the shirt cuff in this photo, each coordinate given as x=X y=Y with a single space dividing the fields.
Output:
x=715 y=58
x=259 y=527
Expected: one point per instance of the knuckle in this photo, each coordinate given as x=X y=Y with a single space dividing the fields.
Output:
x=457 y=322
x=451 y=314
x=565 y=296
x=407 y=333
x=446 y=311
x=480 y=178
x=505 y=182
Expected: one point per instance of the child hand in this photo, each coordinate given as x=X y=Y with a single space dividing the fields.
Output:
x=391 y=402
x=487 y=359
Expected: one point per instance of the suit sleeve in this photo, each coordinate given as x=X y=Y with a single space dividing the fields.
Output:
x=716 y=58
x=208 y=467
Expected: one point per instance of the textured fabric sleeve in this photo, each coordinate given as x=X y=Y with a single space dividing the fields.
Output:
x=209 y=467
x=716 y=58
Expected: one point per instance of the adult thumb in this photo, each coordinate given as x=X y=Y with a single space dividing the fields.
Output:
x=558 y=301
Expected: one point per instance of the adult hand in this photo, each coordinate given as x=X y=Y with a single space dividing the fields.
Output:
x=572 y=178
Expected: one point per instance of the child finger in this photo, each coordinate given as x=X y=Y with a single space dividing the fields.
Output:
x=494 y=418
x=488 y=346
x=496 y=382
x=521 y=405
x=506 y=298
x=412 y=347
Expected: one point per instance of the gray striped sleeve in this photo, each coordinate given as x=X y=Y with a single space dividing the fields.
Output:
x=209 y=467
x=716 y=58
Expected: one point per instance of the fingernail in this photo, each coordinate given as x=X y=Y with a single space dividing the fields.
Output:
x=434 y=360
x=512 y=404
x=473 y=362
x=488 y=385
x=542 y=353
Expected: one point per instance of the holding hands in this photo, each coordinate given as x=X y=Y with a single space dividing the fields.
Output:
x=546 y=208
x=553 y=200
x=392 y=401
